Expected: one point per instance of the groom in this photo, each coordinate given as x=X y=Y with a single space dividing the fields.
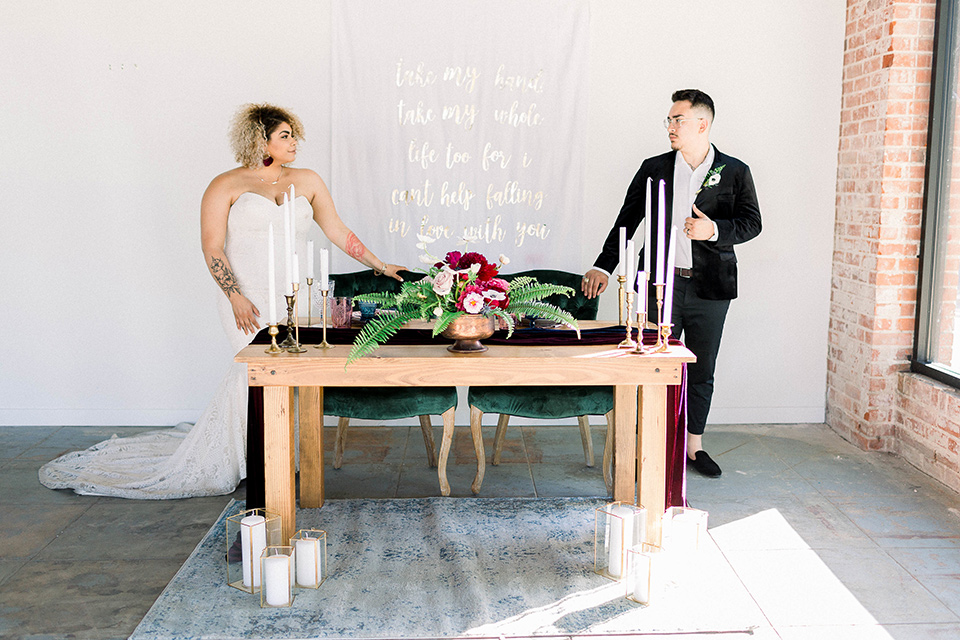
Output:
x=711 y=200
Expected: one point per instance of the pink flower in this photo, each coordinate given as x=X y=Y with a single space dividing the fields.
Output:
x=453 y=258
x=443 y=282
x=473 y=303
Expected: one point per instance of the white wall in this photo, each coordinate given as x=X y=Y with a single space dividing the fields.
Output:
x=115 y=117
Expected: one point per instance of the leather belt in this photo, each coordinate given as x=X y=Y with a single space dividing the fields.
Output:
x=683 y=273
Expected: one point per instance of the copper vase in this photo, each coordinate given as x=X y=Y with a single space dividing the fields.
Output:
x=467 y=331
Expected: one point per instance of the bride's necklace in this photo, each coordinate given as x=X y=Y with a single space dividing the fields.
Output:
x=275 y=181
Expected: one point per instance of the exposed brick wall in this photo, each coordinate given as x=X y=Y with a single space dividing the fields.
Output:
x=871 y=398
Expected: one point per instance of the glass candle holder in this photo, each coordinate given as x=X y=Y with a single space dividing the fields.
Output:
x=618 y=526
x=310 y=546
x=645 y=577
x=277 y=569
x=341 y=312
x=248 y=534
x=683 y=529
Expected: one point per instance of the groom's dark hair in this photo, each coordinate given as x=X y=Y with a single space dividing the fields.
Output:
x=696 y=98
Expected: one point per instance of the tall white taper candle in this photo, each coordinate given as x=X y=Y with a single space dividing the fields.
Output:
x=324 y=270
x=647 y=222
x=309 y=256
x=668 y=295
x=622 y=268
x=287 y=248
x=661 y=232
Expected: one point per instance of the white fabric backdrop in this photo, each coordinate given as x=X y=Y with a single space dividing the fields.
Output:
x=459 y=118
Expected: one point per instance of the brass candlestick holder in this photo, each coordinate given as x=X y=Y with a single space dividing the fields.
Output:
x=273 y=349
x=620 y=297
x=663 y=338
x=641 y=323
x=309 y=301
x=289 y=341
x=628 y=342
x=296 y=348
x=323 y=315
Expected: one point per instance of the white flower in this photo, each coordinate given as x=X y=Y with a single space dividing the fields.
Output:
x=475 y=267
x=468 y=238
x=504 y=259
x=426 y=258
x=473 y=303
x=443 y=282
x=438 y=311
x=713 y=180
x=425 y=239
x=493 y=294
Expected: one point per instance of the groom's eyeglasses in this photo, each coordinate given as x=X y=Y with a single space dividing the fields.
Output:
x=676 y=122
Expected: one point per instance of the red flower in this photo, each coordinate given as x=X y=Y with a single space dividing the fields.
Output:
x=469 y=259
x=452 y=259
x=487 y=271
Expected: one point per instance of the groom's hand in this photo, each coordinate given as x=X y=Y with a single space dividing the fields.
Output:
x=698 y=226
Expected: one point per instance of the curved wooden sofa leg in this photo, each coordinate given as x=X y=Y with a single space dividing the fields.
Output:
x=584 y=422
x=427 y=428
x=445 y=443
x=500 y=436
x=475 y=417
x=340 y=442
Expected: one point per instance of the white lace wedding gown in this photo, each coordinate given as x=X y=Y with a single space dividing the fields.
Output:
x=208 y=458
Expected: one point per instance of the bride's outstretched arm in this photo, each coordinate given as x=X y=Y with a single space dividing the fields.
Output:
x=214 y=210
x=325 y=214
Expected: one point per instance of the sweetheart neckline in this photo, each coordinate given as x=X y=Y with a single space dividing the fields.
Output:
x=254 y=193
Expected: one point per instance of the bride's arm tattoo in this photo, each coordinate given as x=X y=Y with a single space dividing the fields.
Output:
x=224 y=277
x=355 y=248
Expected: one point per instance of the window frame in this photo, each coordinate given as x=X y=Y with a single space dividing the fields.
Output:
x=939 y=123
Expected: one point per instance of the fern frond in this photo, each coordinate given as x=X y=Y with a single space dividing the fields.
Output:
x=506 y=317
x=381 y=298
x=444 y=321
x=538 y=291
x=376 y=332
x=548 y=311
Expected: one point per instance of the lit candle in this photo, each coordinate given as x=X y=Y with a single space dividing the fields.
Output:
x=308 y=571
x=287 y=245
x=271 y=278
x=309 y=256
x=621 y=538
x=646 y=228
x=661 y=232
x=253 y=540
x=276 y=580
x=668 y=295
x=623 y=251
x=324 y=270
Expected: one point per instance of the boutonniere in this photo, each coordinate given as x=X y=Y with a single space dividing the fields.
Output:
x=712 y=178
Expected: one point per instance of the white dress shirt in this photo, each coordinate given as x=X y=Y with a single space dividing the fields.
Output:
x=686 y=184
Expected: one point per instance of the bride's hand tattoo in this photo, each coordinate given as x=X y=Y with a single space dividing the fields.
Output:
x=224 y=277
x=355 y=248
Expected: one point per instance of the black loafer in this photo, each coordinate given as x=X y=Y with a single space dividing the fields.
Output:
x=704 y=464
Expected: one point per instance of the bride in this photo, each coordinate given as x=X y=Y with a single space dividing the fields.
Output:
x=208 y=458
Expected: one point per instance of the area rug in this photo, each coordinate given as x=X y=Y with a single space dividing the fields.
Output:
x=441 y=568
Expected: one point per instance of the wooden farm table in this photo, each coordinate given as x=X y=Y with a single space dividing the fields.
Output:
x=640 y=404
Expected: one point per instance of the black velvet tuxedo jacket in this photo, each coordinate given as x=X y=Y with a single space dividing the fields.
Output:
x=731 y=203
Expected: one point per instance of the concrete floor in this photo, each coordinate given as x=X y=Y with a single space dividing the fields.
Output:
x=830 y=541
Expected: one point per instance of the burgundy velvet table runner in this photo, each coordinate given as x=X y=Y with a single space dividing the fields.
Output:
x=676 y=396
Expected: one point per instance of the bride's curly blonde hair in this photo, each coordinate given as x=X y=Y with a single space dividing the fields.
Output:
x=251 y=128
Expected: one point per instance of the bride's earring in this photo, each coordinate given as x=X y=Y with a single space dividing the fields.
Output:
x=267 y=161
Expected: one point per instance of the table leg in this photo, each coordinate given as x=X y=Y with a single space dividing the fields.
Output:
x=476 y=416
x=311 y=447
x=445 y=443
x=624 y=443
x=651 y=452
x=278 y=456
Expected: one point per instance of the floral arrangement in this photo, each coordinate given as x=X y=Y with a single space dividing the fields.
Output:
x=457 y=285
x=712 y=178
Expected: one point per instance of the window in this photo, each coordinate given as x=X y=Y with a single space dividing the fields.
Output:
x=937 y=343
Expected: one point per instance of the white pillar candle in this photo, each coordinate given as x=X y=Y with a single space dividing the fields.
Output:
x=668 y=295
x=642 y=292
x=621 y=270
x=683 y=531
x=309 y=257
x=324 y=270
x=308 y=567
x=271 y=278
x=645 y=572
x=253 y=540
x=646 y=227
x=276 y=580
x=287 y=246
x=661 y=232
x=621 y=538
